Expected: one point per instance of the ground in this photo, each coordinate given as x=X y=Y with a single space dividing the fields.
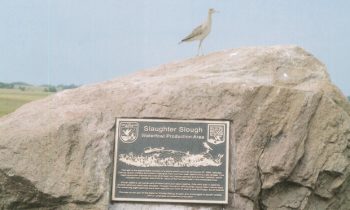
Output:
x=11 y=99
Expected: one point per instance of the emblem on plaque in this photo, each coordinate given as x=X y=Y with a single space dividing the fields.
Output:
x=128 y=131
x=216 y=134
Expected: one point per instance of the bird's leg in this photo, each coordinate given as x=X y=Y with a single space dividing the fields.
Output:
x=199 y=47
x=202 y=49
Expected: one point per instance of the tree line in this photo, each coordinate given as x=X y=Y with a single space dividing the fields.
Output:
x=47 y=88
x=12 y=85
x=53 y=88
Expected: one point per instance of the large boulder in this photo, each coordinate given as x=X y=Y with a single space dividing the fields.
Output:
x=290 y=142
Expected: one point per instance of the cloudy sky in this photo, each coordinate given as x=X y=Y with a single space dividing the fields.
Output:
x=88 y=41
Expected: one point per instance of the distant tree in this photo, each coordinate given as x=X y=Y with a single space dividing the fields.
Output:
x=6 y=85
x=22 y=88
x=349 y=98
x=50 y=89
x=21 y=84
x=64 y=87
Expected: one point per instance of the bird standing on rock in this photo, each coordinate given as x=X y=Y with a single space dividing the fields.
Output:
x=201 y=31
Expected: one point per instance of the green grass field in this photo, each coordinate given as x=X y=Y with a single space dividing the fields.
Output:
x=11 y=99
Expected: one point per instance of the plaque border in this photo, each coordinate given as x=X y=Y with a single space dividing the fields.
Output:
x=116 y=137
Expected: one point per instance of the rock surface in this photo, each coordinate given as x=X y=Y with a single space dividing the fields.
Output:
x=290 y=140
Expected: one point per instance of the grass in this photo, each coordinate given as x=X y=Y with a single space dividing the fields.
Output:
x=11 y=99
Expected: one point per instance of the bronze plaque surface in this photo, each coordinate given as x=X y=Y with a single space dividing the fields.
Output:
x=158 y=160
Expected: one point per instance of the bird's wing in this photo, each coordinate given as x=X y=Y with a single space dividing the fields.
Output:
x=197 y=31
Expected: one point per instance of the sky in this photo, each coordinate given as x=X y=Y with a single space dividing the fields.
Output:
x=88 y=41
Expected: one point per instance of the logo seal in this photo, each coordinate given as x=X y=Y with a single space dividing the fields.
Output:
x=216 y=133
x=128 y=131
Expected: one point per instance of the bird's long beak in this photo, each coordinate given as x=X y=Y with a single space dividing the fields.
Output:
x=216 y=11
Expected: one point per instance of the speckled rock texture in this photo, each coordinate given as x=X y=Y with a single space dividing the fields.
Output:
x=290 y=142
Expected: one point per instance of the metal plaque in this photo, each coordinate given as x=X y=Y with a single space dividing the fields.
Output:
x=157 y=160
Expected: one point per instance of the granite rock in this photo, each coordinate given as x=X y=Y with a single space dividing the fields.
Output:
x=290 y=142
